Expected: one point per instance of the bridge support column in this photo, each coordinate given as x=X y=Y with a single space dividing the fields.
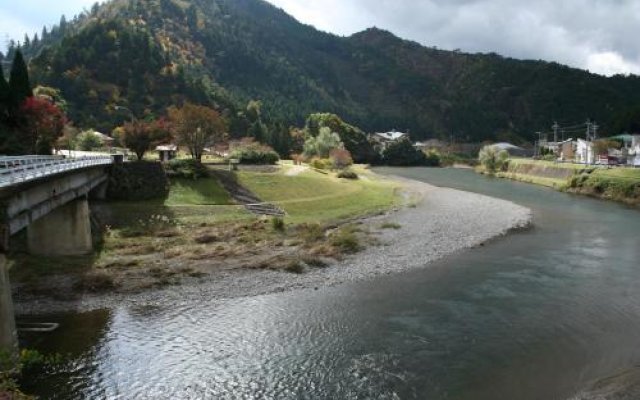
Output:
x=8 y=336
x=65 y=231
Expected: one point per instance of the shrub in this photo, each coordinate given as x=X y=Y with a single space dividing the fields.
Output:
x=250 y=152
x=493 y=159
x=402 y=153
x=189 y=168
x=88 y=141
x=340 y=158
x=277 y=224
x=295 y=267
x=321 y=163
x=347 y=175
x=432 y=158
x=346 y=240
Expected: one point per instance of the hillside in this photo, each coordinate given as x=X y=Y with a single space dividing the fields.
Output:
x=148 y=54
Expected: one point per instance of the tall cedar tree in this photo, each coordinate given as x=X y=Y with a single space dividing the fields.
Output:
x=197 y=127
x=4 y=95
x=19 y=85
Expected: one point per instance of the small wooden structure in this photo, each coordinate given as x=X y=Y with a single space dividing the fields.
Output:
x=167 y=153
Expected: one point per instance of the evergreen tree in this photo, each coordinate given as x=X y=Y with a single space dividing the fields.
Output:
x=19 y=85
x=4 y=96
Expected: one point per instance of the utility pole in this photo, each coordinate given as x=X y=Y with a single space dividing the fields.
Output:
x=594 y=128
x=555 y=128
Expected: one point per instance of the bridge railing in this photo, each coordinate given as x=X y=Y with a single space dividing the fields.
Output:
x=20 y=169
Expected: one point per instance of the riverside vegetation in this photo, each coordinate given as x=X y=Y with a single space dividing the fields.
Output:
x=197 y=230
x=618 y=184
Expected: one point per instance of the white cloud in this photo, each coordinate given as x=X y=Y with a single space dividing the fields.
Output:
x=21 y=17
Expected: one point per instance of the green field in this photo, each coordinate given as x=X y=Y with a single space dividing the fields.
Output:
x=197 y=192
x=315 y=197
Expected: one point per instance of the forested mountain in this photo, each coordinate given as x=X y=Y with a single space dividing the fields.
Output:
x=149 y=54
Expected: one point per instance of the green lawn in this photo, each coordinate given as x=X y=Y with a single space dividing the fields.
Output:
x=625 y=173
x=315 y=197
x=197 y=192
x=542 y=163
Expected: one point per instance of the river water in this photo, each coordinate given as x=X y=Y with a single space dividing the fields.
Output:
x=536 y=315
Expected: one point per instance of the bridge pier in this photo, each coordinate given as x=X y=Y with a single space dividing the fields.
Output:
x=8 y=336
x=66 y=231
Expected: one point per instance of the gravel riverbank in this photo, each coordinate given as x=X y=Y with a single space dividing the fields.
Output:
x=437 y=223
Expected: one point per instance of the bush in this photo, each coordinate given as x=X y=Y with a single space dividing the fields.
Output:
x=402 y=153
x=255 y=153
x=88 y=141
x=321 y=163
x=432 y=158
x=493 y=159
x=346 y=240
x=278 y=224
x=340 y=158
x=189 y=168
x=348 y=175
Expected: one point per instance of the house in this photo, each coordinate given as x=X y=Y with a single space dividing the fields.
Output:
x=386 y=138
x=512 y=149
x=167 y=152
x=567 y=150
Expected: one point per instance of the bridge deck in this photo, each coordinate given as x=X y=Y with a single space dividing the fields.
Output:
x=15 y=170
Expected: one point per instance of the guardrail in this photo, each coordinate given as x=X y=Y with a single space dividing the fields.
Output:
x=14 y=170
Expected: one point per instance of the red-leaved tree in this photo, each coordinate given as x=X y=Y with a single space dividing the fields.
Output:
x=140 y=136
x=43 y=123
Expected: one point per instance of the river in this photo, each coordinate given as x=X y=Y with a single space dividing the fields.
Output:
x=536 y=315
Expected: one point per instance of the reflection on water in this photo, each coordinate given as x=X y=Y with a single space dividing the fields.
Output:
x=536 y=315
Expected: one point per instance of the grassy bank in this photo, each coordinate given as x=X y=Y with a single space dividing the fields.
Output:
x=311 y=196
x=197 y=230
x=619 y=184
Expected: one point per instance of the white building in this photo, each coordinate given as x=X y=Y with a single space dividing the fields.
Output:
x=585 y=153
x=384 y=139
x=634 y=152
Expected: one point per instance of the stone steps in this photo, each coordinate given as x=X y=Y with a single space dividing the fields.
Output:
x=265 y=209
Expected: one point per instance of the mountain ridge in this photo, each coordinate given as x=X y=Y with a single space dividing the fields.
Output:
x=228 y=52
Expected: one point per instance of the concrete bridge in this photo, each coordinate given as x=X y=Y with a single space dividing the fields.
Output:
x=48 y=196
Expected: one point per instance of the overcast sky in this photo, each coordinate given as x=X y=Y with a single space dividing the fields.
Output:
x=598 y=35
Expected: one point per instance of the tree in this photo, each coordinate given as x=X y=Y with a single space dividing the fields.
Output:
x=4 y=96
x=19 y=84
x=197 y=127
x=354 y=139
x=139 y=136
x=321 y=145
x=493 y=159
x=89 y=141
x=43 y=122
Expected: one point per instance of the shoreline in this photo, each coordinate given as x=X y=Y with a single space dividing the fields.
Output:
x=440 y=223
